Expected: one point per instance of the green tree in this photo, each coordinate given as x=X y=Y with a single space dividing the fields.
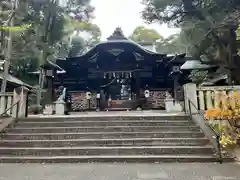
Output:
x=143 y=34
x=238 y=39
x=77 y=46
x=81 y=36
x=171 y=45
x=48 y=19
x=208 y=27
x=198 y=76
x=10 y=8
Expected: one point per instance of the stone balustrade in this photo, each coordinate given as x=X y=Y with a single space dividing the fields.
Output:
x=14 y=104
x=6 y=101
x=209 y=97
x=204 y=98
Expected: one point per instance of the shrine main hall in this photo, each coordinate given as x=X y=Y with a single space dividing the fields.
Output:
x=117 y=74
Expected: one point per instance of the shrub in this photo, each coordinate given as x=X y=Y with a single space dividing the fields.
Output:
x=225 y=118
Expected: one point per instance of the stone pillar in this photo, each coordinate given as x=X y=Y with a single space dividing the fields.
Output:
x=23 y=102
x=190 y=93
x=9 y=104
x=2 y=103
x=16 y=98
x=60 y=107
x=209 y=99
x=20 y=95
x=201 y=100
x=169 y=105
x=48 y=96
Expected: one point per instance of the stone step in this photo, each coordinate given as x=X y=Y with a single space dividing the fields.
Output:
x=103 y=123
x=181 y=158
x=116 y=150
x=103 y=128
x=107 y=142
x=101 y=135
x=115 y=108
x=105 y=117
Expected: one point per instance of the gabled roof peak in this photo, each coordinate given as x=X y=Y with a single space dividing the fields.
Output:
x=117 y=35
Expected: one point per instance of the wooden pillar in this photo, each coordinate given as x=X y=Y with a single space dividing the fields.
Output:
x=175 y=86
x=137 y=84
x=102 y=102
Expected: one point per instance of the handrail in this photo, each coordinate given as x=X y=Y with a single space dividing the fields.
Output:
x=15 y=104
x=217 y=134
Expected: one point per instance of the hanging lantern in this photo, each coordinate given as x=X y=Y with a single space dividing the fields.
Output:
x=146 y=93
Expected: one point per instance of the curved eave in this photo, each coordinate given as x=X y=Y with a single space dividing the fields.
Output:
x=115 y=44
x=50 y=64
x=62 y=64
x=38 y=72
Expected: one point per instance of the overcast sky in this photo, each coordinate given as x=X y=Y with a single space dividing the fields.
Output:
x=110 y=14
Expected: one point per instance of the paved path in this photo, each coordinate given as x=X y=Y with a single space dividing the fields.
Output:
x=120 y=172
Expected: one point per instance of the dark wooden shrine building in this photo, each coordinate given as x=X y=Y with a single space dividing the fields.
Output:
x=120 y=70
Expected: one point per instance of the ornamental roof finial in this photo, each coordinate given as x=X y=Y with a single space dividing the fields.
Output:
x=117 y=35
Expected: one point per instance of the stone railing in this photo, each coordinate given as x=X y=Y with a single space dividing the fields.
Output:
x=209 y=97
x=198 y=100
x=6 y=102
x=204 y=98
x=14 y=104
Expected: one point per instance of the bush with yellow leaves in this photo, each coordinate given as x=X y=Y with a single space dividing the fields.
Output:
x=226 y=109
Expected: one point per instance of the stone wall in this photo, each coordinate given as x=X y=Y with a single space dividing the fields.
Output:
x=80 y=103
x=155 y=101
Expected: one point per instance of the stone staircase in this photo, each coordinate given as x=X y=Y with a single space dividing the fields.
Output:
x=105 y=139
x=121 y=105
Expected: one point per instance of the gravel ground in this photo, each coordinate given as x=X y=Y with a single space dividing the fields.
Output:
x=187 y=171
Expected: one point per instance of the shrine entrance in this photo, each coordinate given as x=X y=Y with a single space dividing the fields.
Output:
x=120 y=91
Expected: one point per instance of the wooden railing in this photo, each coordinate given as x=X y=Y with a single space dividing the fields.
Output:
x=208 y=97
x=6 y=102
